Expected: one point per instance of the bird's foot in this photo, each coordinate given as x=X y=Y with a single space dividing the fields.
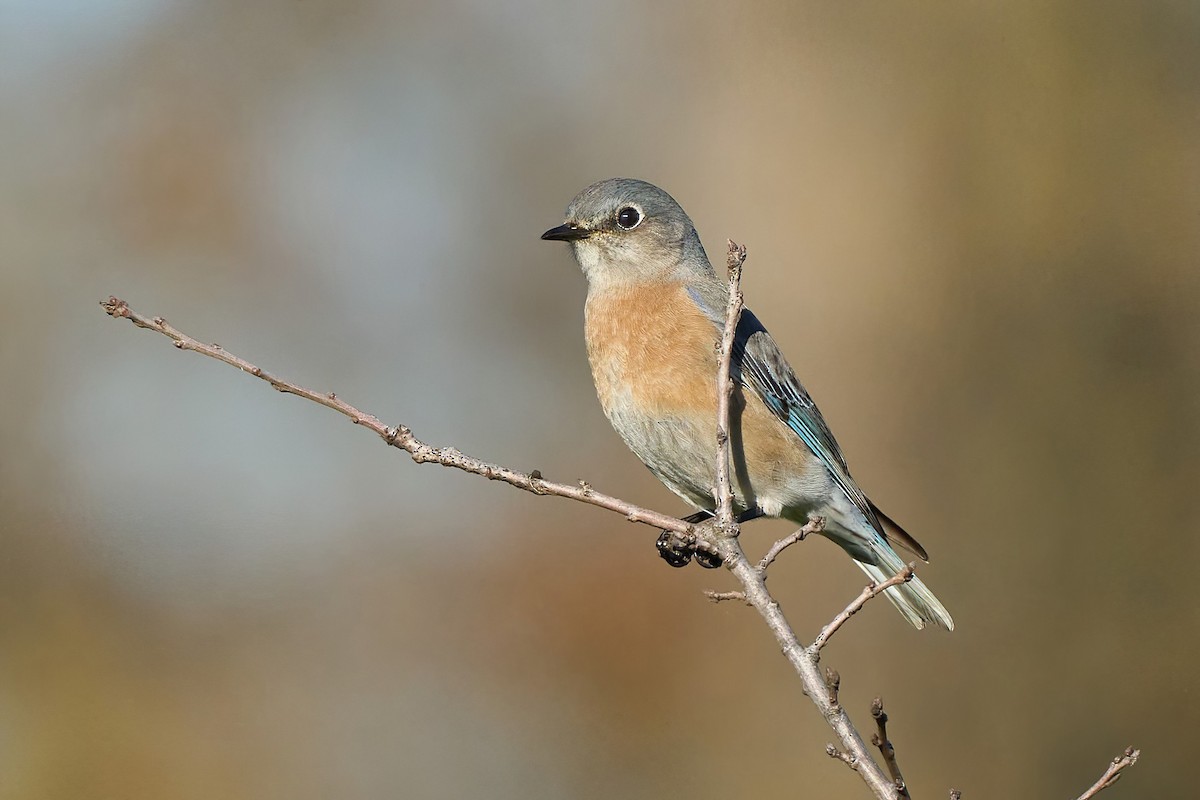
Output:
x=708 y=560
x=678 y=553
x=675 y=549
x=674 y=552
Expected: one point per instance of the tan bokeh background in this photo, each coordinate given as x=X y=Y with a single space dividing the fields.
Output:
x=975 y=228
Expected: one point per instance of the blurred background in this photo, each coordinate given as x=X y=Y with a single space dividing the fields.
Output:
x=974 y=228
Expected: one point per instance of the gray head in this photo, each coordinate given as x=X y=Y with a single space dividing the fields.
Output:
x=624 y=231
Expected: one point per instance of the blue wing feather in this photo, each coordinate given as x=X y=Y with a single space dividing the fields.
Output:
x=759 y=365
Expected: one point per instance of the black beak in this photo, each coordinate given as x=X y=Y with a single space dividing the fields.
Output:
x=566 y=233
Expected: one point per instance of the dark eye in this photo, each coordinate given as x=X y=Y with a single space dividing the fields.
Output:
x=628 y=218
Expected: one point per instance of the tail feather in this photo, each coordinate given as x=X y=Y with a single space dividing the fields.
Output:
x=897 y=535
x=875 y=556
x=913 y=599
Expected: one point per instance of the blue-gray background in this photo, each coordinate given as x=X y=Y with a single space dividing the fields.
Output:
x=975 y=229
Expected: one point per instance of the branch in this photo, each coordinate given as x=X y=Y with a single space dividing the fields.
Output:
x=753 y=579
x=1113 y=773
x=845 y=758
x=872 y=590
x=723 y=491
x=720 y=597
x=880 y=740
x=814 y=525
x=402 y=437
x=719 y=538
x=727 y=546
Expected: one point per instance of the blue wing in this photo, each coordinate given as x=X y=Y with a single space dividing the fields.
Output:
x=761 y=366
x=767 y=373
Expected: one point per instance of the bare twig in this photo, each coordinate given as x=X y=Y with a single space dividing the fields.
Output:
x=880 y=740
x=1113 y=773
x=872 y=590
x=814 y=525
x=718 y=597
x=845 y=758
x=723 y=491
x=402 y=437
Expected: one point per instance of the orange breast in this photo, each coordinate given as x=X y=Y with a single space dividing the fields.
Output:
x=654 y=360
x=653 y=346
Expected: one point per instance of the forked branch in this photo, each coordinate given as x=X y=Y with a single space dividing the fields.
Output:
x=719 y=536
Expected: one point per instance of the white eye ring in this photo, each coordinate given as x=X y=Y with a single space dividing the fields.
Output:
x=629 y=217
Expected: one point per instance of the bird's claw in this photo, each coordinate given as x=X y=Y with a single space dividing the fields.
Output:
x=678 y=554
x=674 y=553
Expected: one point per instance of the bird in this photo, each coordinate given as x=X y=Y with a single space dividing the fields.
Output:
x=654 y=314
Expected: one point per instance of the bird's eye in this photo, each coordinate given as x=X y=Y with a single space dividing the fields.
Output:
x=628 y=218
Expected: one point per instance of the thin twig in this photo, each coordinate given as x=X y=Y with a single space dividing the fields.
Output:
x=719 y=597
x=814 y=525
x=886 y=749
x=871 y=590
x=1113 y=773
x=402 y=437
x=845 y=758
x=723 y=491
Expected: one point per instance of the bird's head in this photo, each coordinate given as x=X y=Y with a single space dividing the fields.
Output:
x=624 y=231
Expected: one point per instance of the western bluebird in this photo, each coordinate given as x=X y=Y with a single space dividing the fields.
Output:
x=654 y=313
